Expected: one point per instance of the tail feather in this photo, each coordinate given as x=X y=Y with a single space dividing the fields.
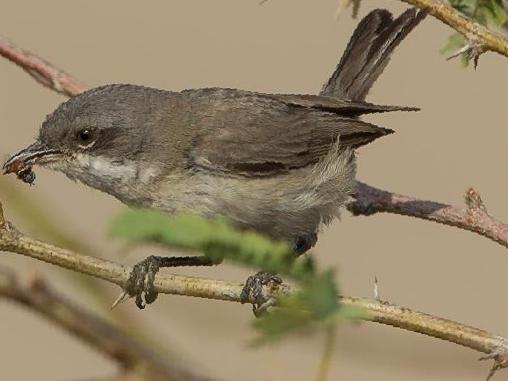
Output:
x=368 y=52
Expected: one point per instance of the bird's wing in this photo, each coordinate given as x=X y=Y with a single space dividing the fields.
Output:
x=343 y=107
x=250 y=134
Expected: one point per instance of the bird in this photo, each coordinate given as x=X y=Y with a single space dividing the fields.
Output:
x=282 y=165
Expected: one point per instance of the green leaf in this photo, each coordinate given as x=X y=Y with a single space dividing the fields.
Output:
x=316 y=301
x=213 y=237
x=461 y=5
x=313 y=305
x=484 y=12
x=150 y=226
x=455 y=42
x=494 y=12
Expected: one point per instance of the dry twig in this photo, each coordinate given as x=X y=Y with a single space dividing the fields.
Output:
x=41 y=70
x=99 y=333
x=475 y=218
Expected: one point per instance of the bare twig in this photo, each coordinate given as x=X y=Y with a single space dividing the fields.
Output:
x=326 y=357
x=13 y=241
x=100 y=334
x=41 y=70
x=479 y=38
x=370 y=200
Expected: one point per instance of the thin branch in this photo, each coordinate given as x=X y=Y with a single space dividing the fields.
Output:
x=474 y=217
x=495 y=346
x=480 y=39
x=41 y=70
x=99 y=333
x=327 y=356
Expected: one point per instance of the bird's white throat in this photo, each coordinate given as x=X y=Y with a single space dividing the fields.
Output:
x=105 y=168
x=105 y=174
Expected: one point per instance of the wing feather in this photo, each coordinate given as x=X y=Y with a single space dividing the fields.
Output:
x=253 y=134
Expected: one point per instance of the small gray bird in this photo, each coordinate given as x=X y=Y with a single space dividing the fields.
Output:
x=282 y=165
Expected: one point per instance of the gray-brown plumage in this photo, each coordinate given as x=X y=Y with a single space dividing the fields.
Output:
x=279 y=164
x=368 y=52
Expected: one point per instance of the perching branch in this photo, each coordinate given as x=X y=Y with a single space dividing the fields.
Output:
x=369 y=200
x=495 y=347
x=36 y=295
x=474 y=217
x=479 y=38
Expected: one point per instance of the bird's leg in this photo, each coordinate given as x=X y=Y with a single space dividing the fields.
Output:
x=255 y=284
x=304 y=244
x=142 y=276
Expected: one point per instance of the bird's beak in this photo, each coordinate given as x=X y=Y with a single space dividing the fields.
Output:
x=35 y=153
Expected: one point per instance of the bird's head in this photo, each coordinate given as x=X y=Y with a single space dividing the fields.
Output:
x=94 y=137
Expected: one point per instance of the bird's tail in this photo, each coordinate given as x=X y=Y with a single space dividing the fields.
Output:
x=368 y=52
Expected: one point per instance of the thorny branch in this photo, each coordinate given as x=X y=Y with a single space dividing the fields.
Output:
x=41 y=70
x=36 y=295
x=495 y=347
x=474 y=217
x=479 y=38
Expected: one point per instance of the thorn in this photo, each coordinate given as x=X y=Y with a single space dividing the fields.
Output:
x=464 y=49
x=489 y=356
x=500 y=361
x=121 y=298
x=376 y=288
x=474 y=201
x=473 y=49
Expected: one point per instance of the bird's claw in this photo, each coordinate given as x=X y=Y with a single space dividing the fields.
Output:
x=141 y=281
x=255 y=288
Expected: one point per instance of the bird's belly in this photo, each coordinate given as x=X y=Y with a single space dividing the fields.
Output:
x=285 y=207
x=260 y=205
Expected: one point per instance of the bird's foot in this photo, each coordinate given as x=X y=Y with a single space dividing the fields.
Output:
x=141 y=281
x=142 y=277
x=257 y=290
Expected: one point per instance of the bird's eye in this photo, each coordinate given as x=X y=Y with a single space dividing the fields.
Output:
x=85 y=136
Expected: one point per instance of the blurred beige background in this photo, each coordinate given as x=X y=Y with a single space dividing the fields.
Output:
x=457 y=140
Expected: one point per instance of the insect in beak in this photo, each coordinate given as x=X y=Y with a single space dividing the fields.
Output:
x=22 y=162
